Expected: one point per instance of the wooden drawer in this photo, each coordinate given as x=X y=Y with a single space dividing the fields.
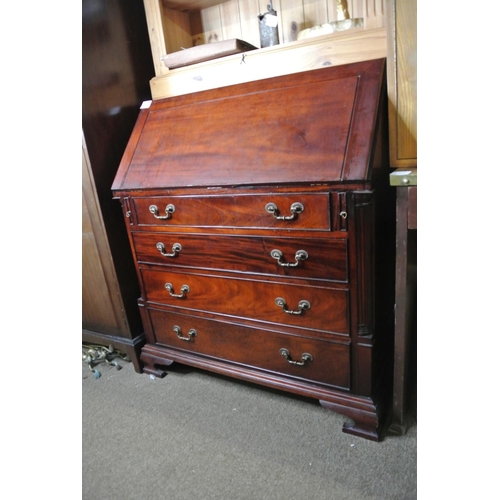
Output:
x=235 y=211
x=251 y=299
x=324 y=259
x=254 y=347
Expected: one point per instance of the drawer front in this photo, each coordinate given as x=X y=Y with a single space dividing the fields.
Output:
x=300 y=211
x=298 y=258
x=328 y=362
x=312 y=308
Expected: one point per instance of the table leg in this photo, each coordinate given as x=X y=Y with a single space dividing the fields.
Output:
x=401 y=331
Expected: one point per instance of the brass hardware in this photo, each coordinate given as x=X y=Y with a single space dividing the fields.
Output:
x=343 y=215
x=184 y=290
x=304 y=305
x=176 y=248
x=299 y=255
x=192 y=333
x=305 y=357
x=295 y=208
x=169 y=210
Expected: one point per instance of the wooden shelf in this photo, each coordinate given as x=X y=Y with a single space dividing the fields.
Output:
x=294 y=57
x=174 y=25
x=189 y=5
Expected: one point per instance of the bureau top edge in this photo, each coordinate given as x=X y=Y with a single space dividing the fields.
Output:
x=246 y=189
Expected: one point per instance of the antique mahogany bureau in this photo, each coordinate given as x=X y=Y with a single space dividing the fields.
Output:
x=260 y=224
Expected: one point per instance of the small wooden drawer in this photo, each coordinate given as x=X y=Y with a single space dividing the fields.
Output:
x=323 y=361
x=311 y=308
x=258 y=211
x=293 y=257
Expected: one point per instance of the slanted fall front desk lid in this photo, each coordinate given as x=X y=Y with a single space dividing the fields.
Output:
x=310 y=127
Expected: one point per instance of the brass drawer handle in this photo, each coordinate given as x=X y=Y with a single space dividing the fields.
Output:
x=305 y=357
x=191 y=334
x=303 y=306
x=299 y=255
x=169 y=210
x=176 y=248
x=295 y=208
x=170 y=288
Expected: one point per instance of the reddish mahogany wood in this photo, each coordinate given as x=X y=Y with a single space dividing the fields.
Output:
x=364 y=417
x=312 y=128
x=236 y=296
x=255 y=347
x=326 y=259
x=243 y=210
x=318 y=138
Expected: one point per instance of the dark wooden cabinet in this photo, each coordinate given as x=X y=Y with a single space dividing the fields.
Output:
x=261 y=223
x=116 y=69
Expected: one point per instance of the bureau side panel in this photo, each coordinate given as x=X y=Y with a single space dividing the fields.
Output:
x=372 y=290
x=361 y=230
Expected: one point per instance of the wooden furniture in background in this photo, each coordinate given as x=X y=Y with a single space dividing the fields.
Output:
x=116 y=68
x=174 y=25
x=405 y=183
x=402 y=81
x=402 y=91
x=264 y=239
x=104 y=321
